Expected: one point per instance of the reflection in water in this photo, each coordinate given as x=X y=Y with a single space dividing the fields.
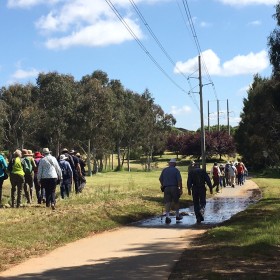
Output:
x=218 y=209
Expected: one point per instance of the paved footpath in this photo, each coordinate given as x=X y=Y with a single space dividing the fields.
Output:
x=131 y=252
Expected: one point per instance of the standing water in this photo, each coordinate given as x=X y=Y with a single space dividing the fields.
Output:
x=218 y=209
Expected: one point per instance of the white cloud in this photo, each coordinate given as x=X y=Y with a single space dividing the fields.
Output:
x=255 y=23
x=100 y=34
x=28 y=3
x=88 y=23
x=248 y=2
x=21 y=74
x=205 y=24
x=180 y=111
x=251 y=63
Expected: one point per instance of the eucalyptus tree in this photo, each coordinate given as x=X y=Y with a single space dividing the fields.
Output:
x=155 y=127
x=119 y=123
x=56 y=95
x=94 y=116
x=20 y=115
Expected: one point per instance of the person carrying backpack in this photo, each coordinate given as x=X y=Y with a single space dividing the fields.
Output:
x=197 y=179
x=67 y=174
x=16 y=170
x=28 y=176
x=40 y=191
x=215 y=174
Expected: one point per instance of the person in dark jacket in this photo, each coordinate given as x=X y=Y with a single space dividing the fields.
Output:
x=196 y=187
x=67 y=174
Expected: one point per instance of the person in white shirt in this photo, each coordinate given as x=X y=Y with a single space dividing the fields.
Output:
x=49 y=175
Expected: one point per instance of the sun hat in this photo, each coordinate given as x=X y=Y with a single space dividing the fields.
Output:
x=78 y=154
x=46 y=151
x=72 y=152
x=173 y=160
x=17 y=153
x=62 y=157
x=64 y=150
x=24 y=152
x=30 y=153
x=38 y=155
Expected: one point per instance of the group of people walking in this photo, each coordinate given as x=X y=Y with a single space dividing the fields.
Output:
x=222 y=176
x=42 y=172
x=230 y=174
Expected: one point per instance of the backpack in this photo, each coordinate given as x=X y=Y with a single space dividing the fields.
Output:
x=27 y=166
x=215 y=171
x=198 y=178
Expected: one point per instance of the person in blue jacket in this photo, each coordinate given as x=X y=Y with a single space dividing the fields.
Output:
x=3 y=168
x=67 y=175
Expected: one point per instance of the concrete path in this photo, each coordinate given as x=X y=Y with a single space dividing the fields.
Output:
x=132 y=252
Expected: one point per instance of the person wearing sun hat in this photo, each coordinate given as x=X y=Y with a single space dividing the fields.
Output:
x=40 y=191
x=16 y=178
x=171 y=184
x=49 y=174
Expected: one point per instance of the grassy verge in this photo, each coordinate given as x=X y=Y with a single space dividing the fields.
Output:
x=245 y=247
x=109 y=200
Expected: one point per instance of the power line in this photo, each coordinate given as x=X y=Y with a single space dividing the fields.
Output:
x=188 y=13
x=164 y=51
x=141 y=45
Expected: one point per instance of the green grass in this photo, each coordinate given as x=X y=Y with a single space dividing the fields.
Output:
x=109 y=200
x=245 y=247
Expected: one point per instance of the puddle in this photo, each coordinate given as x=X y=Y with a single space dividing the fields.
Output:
x=218 y=210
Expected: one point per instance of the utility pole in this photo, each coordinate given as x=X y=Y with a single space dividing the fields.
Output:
x=201 y=118
x=228 y=118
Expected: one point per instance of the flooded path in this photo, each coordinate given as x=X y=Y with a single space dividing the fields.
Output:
x=144 y=250
x=218 y=209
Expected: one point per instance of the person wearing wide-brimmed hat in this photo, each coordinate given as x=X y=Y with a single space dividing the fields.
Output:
x=15 y=168
x=67 y=175
x=171 y=184
x=40 y=191
x=28 y=176
x=49 y=174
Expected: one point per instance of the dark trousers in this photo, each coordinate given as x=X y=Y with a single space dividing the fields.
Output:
x=1 y=187
x=65 y=189
x=28 y=187
x=40 y=191
x=17 y=183
x=199 y=200
x=76 y=182
x=50 y=185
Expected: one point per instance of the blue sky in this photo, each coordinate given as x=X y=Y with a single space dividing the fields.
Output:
x=78 y=37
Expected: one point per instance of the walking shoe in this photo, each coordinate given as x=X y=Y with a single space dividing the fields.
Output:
x=179 y=218
x=167 y=220
x=53 y=206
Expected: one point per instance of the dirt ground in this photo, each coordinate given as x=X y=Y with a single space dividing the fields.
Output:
x=131 y=252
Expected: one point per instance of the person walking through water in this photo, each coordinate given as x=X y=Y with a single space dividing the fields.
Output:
x=171 y=184
x=197 y=179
